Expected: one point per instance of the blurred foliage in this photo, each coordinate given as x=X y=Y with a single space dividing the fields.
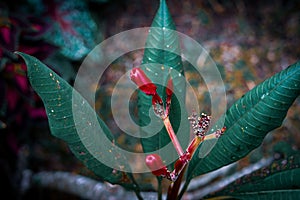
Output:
x=250 y=40
x=73 y=29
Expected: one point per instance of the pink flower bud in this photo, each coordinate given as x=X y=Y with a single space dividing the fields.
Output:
x=156 y=165
x=138 y=76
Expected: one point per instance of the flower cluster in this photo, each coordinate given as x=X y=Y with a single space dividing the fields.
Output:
x=199 y=124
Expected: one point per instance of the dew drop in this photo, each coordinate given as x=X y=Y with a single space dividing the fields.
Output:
x=168 y=46
x=164 y=28
x=52 y=110
x=51 y=74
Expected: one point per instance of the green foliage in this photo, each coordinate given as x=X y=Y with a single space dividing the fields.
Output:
x=249 y=119
x=162 y=51
x=268 y=182
x=62 y=103
x=276 y=195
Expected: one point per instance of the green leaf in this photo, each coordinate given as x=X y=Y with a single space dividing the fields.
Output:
x=161 y=57
x=274 y=195
x=281 y=180
x=281 y=175
x=284 y=184
x=249 y=120
x=85 y=136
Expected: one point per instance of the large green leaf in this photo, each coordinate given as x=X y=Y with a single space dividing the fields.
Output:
x=281 y=176
x=249 y=119
x=282 y=180
x=260 y=195
x=62 y=103
x=162 y=52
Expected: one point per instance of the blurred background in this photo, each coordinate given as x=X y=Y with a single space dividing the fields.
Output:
x=249 y=40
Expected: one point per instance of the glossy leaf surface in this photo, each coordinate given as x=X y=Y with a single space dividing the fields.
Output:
x=62 y=103
x=162 y=55
x=249 y=120
x=269 y=182
x=276 y=195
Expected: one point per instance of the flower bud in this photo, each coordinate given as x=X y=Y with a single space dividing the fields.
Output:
x=156 y=165
x=138 y=76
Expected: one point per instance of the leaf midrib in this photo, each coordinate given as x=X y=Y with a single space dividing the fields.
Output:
x=255 y=105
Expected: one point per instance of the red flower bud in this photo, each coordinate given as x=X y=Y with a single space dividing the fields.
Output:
x=138 y=76
x=156 y=165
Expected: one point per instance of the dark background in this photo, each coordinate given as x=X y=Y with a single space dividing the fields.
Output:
x=250 y=40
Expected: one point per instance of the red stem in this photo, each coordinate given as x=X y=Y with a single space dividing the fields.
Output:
x=173 y=137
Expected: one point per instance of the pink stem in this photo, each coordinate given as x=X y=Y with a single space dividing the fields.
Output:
x=173 y=137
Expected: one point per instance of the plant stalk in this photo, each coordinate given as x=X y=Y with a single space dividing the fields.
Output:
x=173 y=137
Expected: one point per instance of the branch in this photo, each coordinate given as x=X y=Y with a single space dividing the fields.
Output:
x=81 y=186
x=91 y=189
x=200 y=181
x=198 y=194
